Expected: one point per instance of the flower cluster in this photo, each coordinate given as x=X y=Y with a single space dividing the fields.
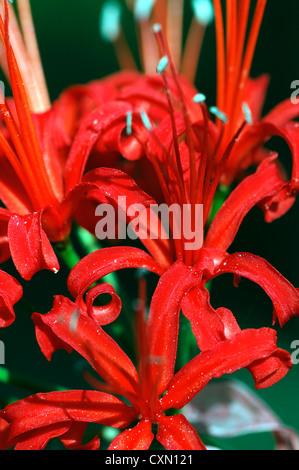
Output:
x=145 y=138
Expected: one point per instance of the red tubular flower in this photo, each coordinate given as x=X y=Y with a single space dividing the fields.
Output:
x=151 y=391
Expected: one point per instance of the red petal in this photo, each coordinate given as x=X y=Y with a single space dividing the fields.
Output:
x=38 y=439
x=4 y=429
x=90 y=131
x=284 y=296
x=73 y=327
x=43 y=416
x=176 y=433
x=105 y=314
x=10 y=293
x=228 y=356
x=255 y=95
x=30 y=248
x=107 y=260
x=12 y=192
x=212 y=326
x=138 y=438
x=253 y=189
x=282 y=113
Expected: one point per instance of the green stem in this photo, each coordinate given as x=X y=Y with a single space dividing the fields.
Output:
x=31 y=385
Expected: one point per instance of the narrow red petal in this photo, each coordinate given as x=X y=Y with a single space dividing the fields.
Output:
x=253 y=189
x=284 y=296
x=163 y=322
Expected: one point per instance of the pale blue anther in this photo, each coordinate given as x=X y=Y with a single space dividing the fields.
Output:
x=203 y=11
x=220 y=114
x=110 y=21
x=199 y=98
x=145 y=120
x=129 y=122
x=162 y=65
x=247 y=113
x=143 y=9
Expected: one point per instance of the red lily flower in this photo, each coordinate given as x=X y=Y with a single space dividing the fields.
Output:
x=39 y=209
x=151 y=391
x=188 y=172
x=235 y=92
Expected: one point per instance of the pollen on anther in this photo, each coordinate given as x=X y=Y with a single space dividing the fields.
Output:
x=129 y=122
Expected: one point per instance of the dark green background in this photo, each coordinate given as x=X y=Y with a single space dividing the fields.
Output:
x=73 y=52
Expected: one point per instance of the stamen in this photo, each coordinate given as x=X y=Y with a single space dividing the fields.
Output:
x=199 y=98
x=157 y=28
x=143 y=9
x=110 y=21
x=145 y=120
x=162 y=65
x=148 y=47
x=219 y=114
x=247 y=113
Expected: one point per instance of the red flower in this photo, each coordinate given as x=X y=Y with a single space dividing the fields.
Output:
x=151 y=391
x=39 y=209
x=236 y=93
